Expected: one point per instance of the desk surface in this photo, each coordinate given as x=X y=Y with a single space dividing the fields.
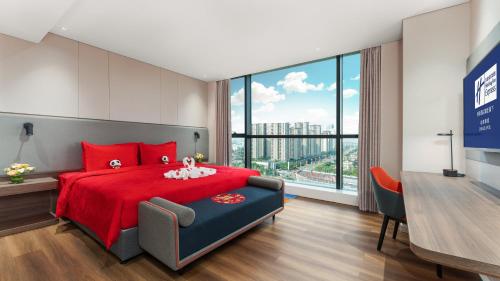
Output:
x=453 y=222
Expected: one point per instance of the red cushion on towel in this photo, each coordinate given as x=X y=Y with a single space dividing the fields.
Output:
x=97 y=157
x=152 y=153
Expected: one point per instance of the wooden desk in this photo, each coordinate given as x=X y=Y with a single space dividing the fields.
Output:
x=27 y=205
x=453 y=222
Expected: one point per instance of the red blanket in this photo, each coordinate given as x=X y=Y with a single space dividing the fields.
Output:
x=106 y=201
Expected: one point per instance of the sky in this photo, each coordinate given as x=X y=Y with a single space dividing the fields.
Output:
x=300 y=93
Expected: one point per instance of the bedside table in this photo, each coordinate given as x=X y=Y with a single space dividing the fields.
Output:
x=27 y=205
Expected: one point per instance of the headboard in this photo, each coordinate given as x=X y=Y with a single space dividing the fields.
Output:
x=55 y=144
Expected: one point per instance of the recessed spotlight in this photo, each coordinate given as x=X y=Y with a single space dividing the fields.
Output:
x=204 y=76
x=64 y=28
x=318 y=49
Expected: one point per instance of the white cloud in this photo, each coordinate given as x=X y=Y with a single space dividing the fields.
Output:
x=235 y=116
x=317 y=113
x=351 y=123
x=265 y=95
x=238 y=97
x=332 y=87
x=267 y=107
x=295 y=82
x=349 y=93
x=237 y=123
x=355 y=77
x=260 y=94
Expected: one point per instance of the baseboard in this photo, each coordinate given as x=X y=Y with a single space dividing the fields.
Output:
x=325 y=194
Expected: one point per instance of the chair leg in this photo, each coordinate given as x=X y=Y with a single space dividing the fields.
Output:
x=382 y=232
x=439 y=271
x=396 y=226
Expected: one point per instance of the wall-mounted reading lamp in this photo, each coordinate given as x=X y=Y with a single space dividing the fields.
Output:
x=28 y=127
x=196 y=138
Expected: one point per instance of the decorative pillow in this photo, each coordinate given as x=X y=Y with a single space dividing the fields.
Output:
x=98 y=157
x=154 y=153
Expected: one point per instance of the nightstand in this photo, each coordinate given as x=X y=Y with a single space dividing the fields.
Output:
x=27 y=205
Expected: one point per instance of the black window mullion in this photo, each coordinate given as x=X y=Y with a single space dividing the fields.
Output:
x=248 y=121
x=338 y=154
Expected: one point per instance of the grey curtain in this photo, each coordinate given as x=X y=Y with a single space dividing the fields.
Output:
x=369 y=126
x=223 y=126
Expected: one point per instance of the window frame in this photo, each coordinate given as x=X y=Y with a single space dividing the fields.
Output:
x=338 y=136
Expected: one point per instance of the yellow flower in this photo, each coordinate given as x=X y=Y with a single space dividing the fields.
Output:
x=11 y=173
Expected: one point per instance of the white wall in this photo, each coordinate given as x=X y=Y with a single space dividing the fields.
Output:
x=435 y=49
x=391 y=89
x=63 y=77
x=484 y=15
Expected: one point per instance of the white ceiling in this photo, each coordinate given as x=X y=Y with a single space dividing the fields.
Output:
x=216 y=39
x=31 y=19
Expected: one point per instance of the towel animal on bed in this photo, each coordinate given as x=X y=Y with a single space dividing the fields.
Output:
x=190 y=171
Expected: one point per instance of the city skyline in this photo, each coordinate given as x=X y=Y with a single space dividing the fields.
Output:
x=284 y=149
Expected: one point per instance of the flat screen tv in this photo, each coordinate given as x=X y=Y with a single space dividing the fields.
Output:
x=481 y=105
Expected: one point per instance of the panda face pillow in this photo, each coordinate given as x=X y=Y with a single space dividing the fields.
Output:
x=158 y=153
x=164 y=159
x=115 y=164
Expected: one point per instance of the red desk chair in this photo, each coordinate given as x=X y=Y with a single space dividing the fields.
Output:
x=390 y=202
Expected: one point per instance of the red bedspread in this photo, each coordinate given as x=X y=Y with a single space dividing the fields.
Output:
x=106 y=201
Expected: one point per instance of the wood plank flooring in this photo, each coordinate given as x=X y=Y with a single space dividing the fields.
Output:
x=310 y=240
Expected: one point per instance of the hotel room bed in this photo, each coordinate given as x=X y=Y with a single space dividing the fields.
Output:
x=105 y=203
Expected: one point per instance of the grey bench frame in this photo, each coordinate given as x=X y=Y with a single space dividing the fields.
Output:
x=159 y=228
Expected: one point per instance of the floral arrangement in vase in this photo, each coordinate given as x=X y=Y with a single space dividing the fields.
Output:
x=16 y=172
x=199 y=157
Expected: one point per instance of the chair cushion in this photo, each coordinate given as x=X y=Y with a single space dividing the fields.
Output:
x=386 y=181
x=214 y=220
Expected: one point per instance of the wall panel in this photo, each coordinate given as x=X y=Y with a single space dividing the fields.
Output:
x=169 y=97
x=435 y=48
x=93 y=82
x=193 y=102
x=39 y=78
x=135 y=90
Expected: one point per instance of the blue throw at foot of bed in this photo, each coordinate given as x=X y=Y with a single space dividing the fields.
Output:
x=168 y=231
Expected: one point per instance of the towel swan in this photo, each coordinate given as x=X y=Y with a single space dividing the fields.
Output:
x=189 y=171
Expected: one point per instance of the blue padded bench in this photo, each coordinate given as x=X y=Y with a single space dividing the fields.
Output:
x=179 y=234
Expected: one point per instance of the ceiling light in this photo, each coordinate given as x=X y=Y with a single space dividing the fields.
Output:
x=318 y=49
x=64 y=28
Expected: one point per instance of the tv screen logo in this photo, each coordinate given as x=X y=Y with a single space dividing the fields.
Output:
x=485 y=87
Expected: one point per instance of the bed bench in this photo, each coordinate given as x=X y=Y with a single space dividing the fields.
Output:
x=179 y=234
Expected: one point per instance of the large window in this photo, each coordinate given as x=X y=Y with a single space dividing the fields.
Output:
x=300 y=123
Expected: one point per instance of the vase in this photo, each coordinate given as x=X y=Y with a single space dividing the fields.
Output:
x=16 y=179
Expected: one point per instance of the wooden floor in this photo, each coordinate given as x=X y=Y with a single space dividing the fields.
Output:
x=310 y=240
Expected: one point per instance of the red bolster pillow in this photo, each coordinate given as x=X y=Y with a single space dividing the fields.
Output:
x=153 y=153
x=97 y=157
